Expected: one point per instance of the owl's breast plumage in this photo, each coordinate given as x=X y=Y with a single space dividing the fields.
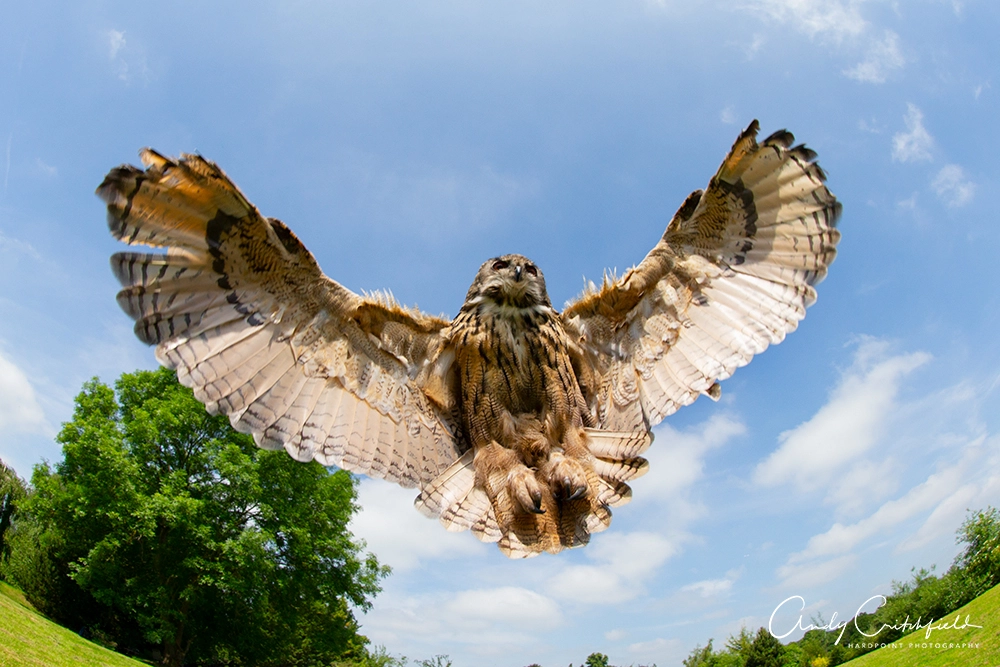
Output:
x=512 y=363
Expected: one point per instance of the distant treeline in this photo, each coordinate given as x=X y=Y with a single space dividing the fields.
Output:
x=924 y=599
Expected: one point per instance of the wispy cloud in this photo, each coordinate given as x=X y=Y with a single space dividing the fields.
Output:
x=964 y=477
x=116 y=42
x=489 y=620
x=622 y=567
x=22 y=420
x=841 y=538
x=804 y=576
x=19 y=408
x=847 y=427
x=509 y=605
x=401 y=536
x=17 y=247
x=713 y=588
x=915 y=144
x=656 y=649
x=127 y=60
x=678 y=459
x=953 y=187
x=817 y=18
x=908 y=204
x=45 y=169
x=956 y=6
x=945 y=517
x=882 y=58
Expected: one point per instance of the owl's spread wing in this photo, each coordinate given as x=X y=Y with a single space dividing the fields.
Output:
x=241 y=310
x=732 y=274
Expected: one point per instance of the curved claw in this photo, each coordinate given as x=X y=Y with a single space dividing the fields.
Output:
x=568 y=478
x=526 y=490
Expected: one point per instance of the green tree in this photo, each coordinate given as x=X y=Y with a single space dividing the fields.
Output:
x=162 y=526
x=436 y=661
x=981 y=559
x=596 y=660
x=700 y=656
x=12 y=490
x=739 y=644
x=765 y=651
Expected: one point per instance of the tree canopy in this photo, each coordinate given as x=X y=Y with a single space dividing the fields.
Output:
x=11 y=492
x=164 y=531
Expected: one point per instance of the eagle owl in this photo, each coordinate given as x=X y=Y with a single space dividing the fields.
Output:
x=516 y=421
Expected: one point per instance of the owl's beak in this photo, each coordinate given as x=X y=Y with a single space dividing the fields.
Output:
x=517 y=273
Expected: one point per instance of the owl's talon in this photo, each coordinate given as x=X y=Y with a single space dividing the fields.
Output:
x=525 y=488
x=567 y=477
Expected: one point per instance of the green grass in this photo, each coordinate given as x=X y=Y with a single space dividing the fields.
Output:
x=943 y=648
x=28 y=639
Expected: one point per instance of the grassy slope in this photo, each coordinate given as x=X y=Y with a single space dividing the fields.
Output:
x=28 y=639
x=911 y=651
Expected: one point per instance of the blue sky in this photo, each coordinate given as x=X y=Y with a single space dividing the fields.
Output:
x=406 y=142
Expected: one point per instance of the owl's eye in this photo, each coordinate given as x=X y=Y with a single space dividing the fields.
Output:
x=500 y=264
x=531 y=270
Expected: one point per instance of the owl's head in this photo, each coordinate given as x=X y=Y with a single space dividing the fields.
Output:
x=511 y=281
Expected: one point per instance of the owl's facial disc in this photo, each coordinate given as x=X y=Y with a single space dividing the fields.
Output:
x=512 y=281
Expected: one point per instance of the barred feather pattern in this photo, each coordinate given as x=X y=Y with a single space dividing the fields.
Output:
x=241 y=310
x=734 y=273
x=520 y=424
x=524 y=414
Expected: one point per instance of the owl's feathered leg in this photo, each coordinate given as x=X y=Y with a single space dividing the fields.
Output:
x=578 y=487
x=567 y=476
x=527 y=528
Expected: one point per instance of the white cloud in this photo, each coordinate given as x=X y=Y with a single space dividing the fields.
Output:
x=952 y=186
x=624 y=562
x=116 y=42
x=928 y=494
x=846 y=427
x=19 y=408
x=943 y=520
x=883 y=57
x=614 y=635
x=872 y=127
x=45 y=169
x=802 y=577
x=22 y=420
x=17 y=246
x=863 y=483
x=908 y=204
x=677 y=458
x=755 y=46
x=711 y=588
x=655 y=650
x=127 y=60
x=728 y=115
x=399 y=534
x=823 y=18
x=490 y=621
x=510 y=606
x=916 y=143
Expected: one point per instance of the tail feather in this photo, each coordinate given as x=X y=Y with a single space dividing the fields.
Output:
x=618 y=444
